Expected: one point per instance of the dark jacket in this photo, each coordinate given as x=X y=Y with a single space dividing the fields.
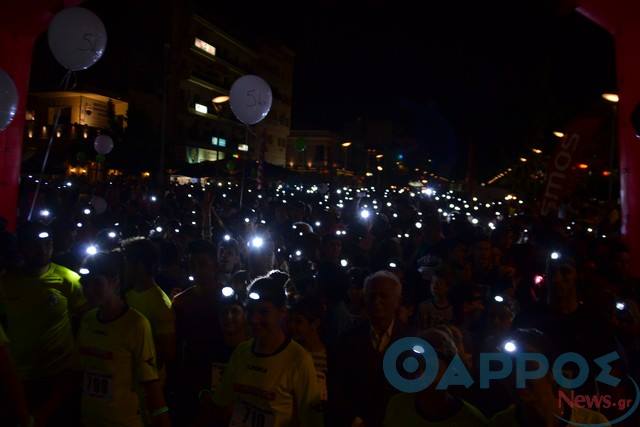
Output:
x=357 y=384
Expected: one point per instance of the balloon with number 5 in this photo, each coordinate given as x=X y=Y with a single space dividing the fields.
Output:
x=77 y=38
x=250 y=99
x=8 y=100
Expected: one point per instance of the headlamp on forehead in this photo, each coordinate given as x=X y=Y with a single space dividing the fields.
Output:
x=257 y=242
x=555 y=255
x=510 y=346
x=365 y=214
x=620 y=306
x=86 y=211
x=254 y=296
x=45 y=213
x=226 y=237
x=344 y=263
x=498 y=298
x=43 y=235
x=84 y=271
x=228 y=291
x=91 y=250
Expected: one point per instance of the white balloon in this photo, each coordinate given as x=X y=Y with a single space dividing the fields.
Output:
x=250 y=98
x=99 y=204
x=8 y=99
x=77 y=38
x=103 y=144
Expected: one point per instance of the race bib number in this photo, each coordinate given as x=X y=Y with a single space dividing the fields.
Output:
x=98 y=385
x=217 y=369
x=247 y=415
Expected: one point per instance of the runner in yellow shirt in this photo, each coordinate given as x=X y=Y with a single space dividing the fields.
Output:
x=141 y=264
x=39 y=302
x=115 y=353
x=270 y=380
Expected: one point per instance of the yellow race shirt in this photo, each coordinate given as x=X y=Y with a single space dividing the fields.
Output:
x=401 y=411
x=38 y=312
x=279 y=390
x=156 y=307
x=114 y=358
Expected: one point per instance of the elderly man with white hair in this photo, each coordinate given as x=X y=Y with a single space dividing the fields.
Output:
x=359 y=391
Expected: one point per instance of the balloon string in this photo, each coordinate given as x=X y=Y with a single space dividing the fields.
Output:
x=65 y=86
x=244 y=164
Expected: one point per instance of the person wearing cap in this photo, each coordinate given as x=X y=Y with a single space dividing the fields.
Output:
x=41 y=300
x=539 y=404
x=115 y=353
x=141 y=264
x=433 y=407
x=305 y=319
x=270 y=380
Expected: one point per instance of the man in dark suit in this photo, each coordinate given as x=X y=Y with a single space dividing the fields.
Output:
x=358 y=389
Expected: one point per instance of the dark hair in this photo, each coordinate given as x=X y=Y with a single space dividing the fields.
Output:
x=202 y=247
x=29 y=231
x=107 y=264
x=267 y=289
x=144 y=251
x=309 y=308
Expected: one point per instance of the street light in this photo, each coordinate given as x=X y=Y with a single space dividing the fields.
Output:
x=536 y=150
x=345 y=145
x=523 y=159
x=558 y=134
x=220 y=99
x=379 y=156
x=611 y=97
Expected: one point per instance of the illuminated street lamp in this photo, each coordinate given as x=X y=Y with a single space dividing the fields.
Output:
x=536 y=150
x=611 y=97
x=220 y=99
x=345 y=146
x=558 y=134
x=523 y=159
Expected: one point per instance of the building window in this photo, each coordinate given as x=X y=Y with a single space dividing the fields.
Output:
x=219 y=142
x=201 y=108
x=202 y=45
x=243 y=147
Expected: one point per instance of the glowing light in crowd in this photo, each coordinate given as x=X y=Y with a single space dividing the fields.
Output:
x=247 y=220
x=418 y=225
x=226 y=237
x=43 y=235
x=257 y=242
x=555 y=255
x=365 y=214
x=344 y=262
x=498 y=298
x=298 y=253
x=227 y=291
x=84 y=271
x=87 y=211
x=112 y=234
x=510 y=347
x=611 y=97
x=474 y=221
x=538 y=279
x=392 y=265
x=91 y=250
x=68 y=184
x=418 y=349
x=159 y=229
x=317 y=224
x=254 y=296
x=154 y=199
x=191 y=278
x=79 y=225
x=620 y=306
x=558 y=134
x=45 y=213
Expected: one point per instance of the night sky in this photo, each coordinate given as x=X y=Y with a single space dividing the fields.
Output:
x=501 y=75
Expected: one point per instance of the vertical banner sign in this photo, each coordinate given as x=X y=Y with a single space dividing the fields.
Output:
x=561 y=175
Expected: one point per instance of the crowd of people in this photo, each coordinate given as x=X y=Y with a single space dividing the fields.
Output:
x=199 y=305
